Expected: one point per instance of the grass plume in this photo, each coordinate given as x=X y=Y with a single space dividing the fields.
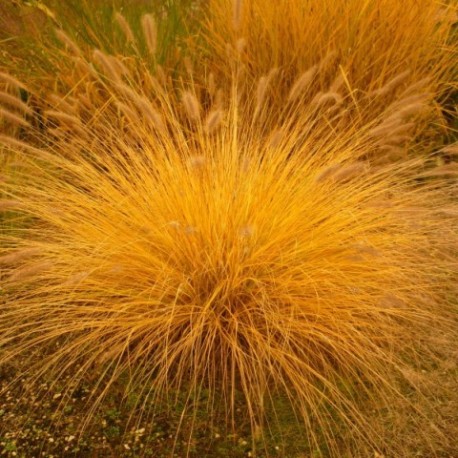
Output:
x=150 y=32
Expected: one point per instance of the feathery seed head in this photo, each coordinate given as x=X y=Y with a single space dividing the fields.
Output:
x=14 y=102
x=13 y=118
x=392 y=84
x=302 y=83
x=125 y=27
x=9 y=204
x=10 y=80
x=191 y=105
x=68 y=42
x=213 y=120
x=197 y=162
x=18 y=255
x=149 y=27
x=107 y=65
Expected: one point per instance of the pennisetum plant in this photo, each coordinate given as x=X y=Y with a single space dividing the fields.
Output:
x=172 y=245
x=370 y=52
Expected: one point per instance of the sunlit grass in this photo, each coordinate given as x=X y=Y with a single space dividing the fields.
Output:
x=367 y=51
x=195 y=258
x=257 y=224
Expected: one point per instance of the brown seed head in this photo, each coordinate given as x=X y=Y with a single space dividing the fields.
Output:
x=149 y=27
x=13 y=118
x=8 y=79
x=14 y=102
x=125 y=27
x=391 y=85
x=30 y=271
x=213 y=120
x=191 y=105
x=18 y=255
x=68 y=42
x=302 y=83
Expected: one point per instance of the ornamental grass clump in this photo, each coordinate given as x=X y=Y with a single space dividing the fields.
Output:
x=369 y=52
x=176 y=251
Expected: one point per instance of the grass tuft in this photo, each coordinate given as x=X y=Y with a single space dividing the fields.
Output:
x=223 y=264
